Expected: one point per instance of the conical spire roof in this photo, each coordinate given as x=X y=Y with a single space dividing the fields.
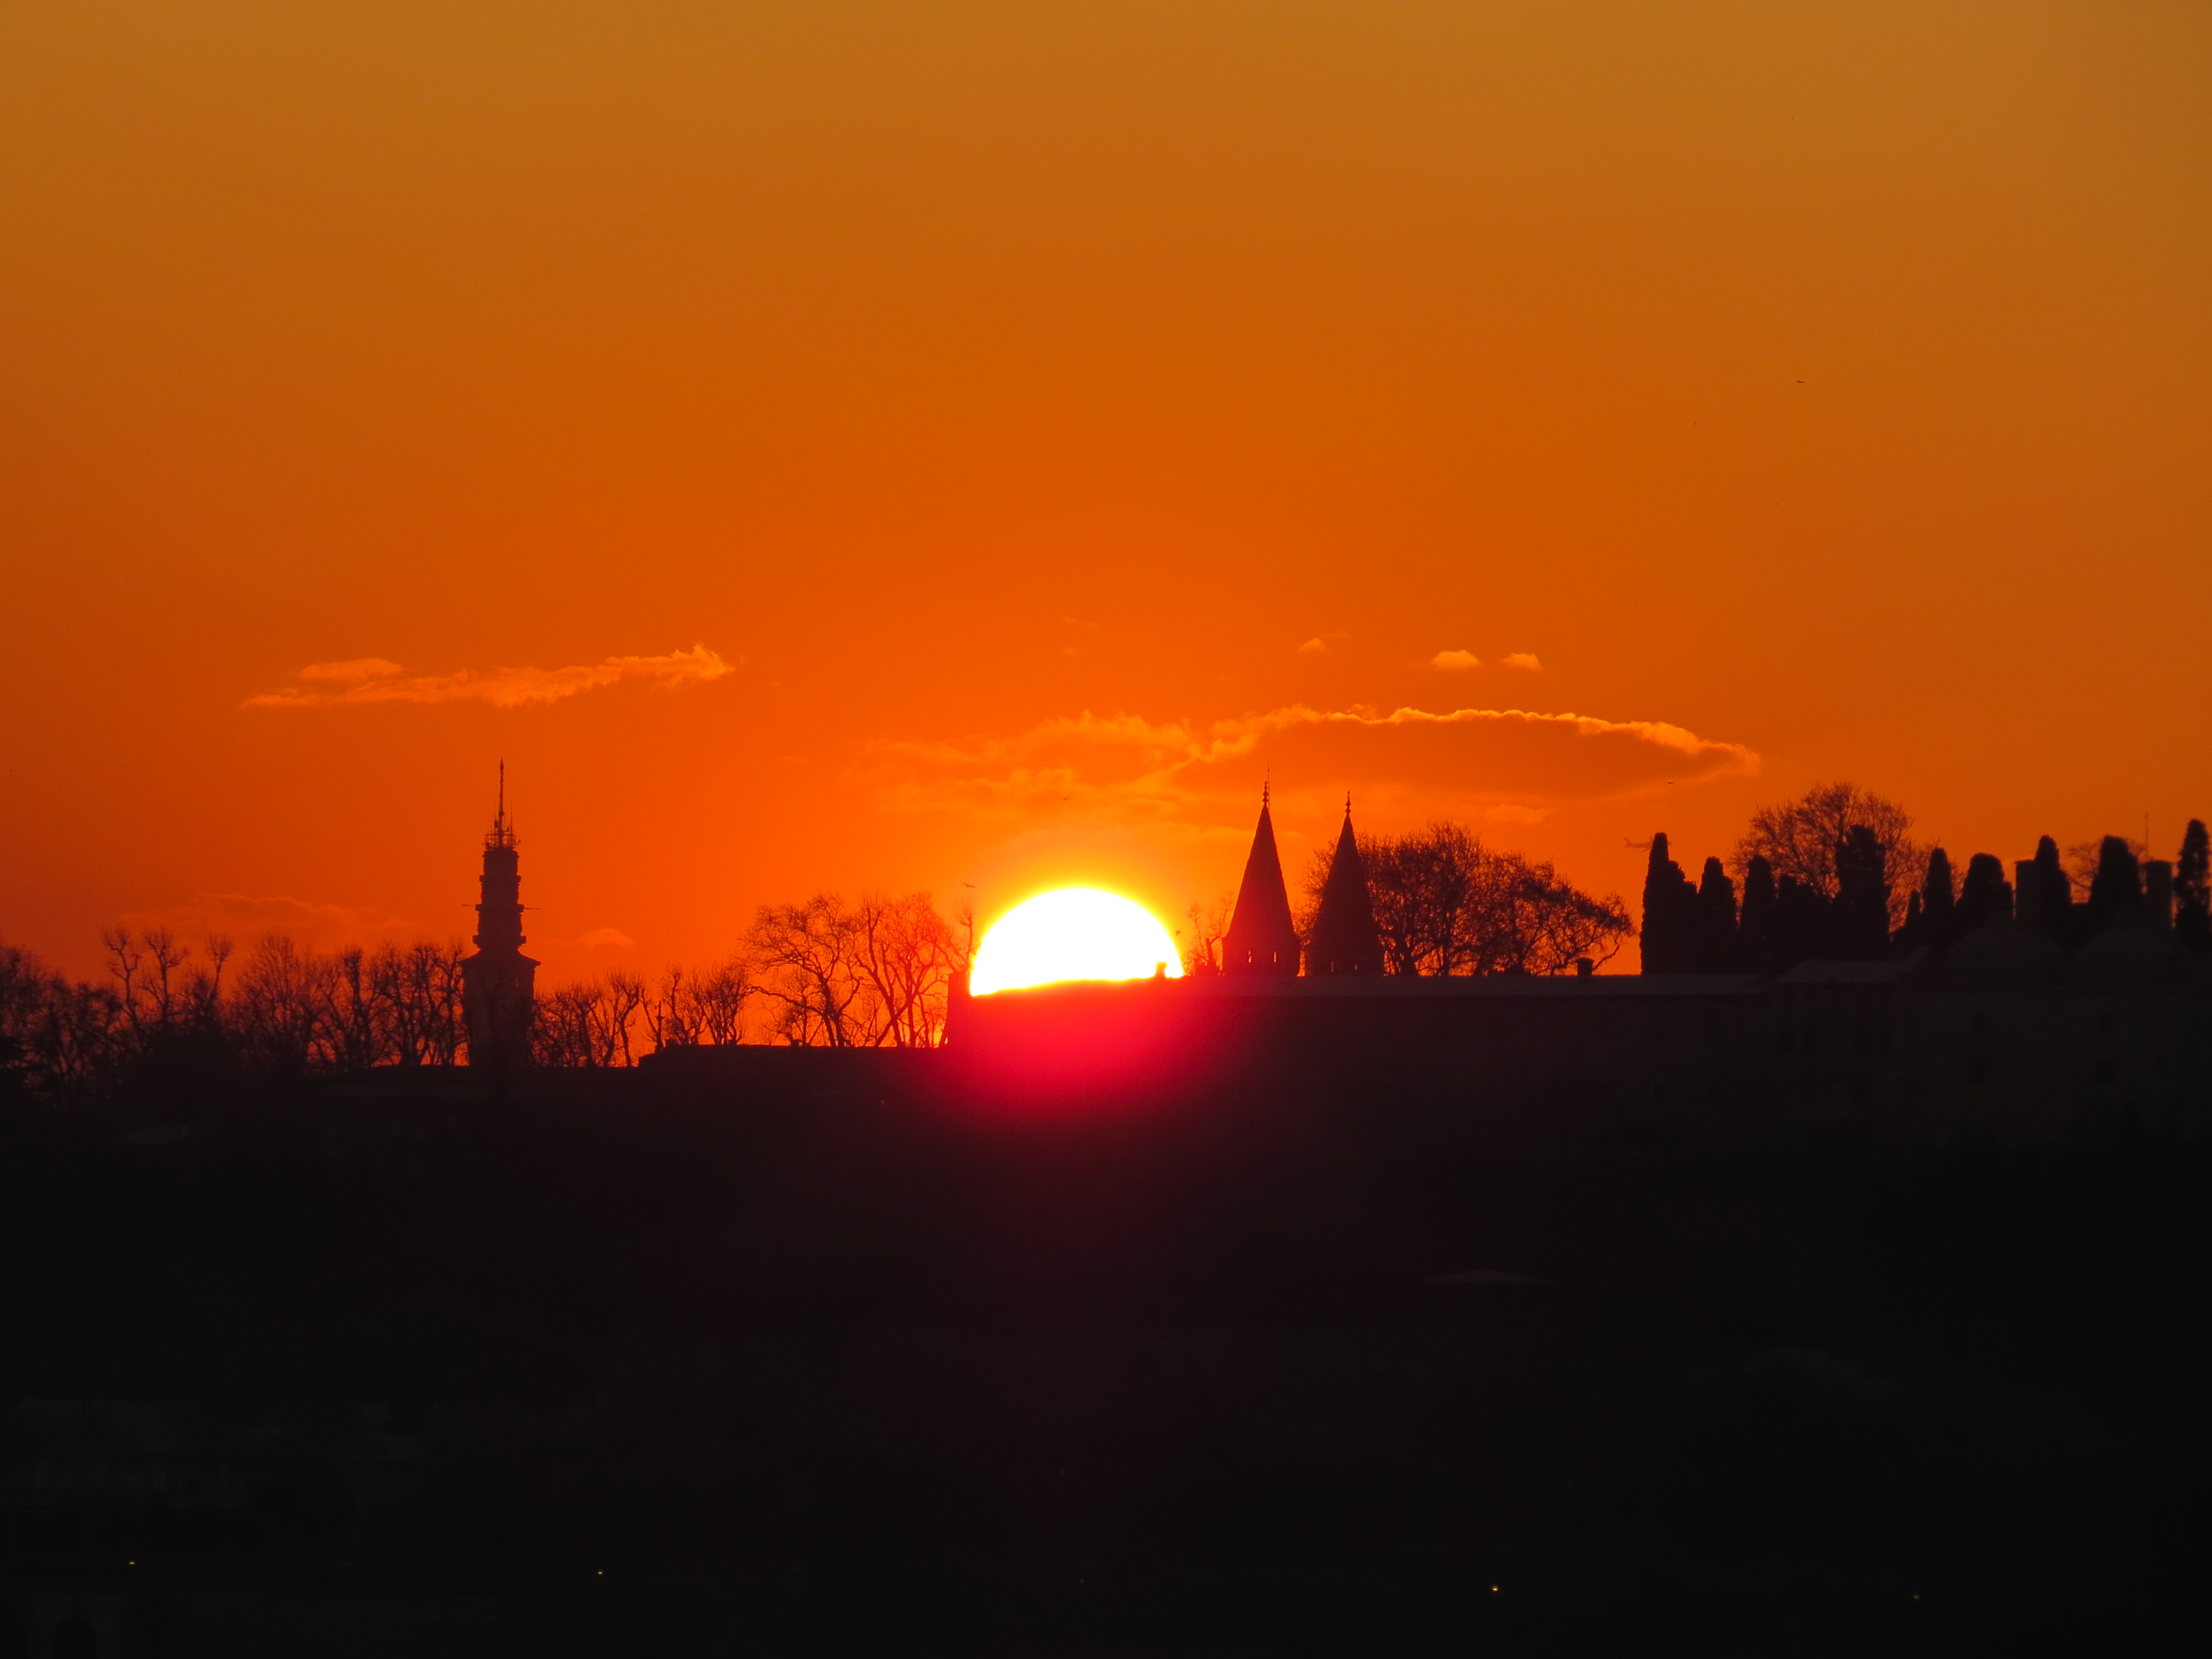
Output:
x=1261 y=938
x=1345 y=939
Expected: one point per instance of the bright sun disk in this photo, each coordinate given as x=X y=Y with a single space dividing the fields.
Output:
x=1077 y=932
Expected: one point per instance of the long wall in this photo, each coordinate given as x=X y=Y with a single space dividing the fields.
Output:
x=1911 y=1051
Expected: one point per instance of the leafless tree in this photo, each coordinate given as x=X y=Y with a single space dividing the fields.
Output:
x=566 y=1030
x=164 y=984
x=126 y=958
x=1520 y=918
x=1800 y=837
x=616 y=1015
x=670 y=1010
x=805 y=955
x=907 y=958
x=1209 y=926
x=420 y=989
x=2083 y=858
x=1420 y=885
x=719 y=995
x=357 y=1028
x=879 y=972
x=1444 y=903
x=66 y=1041
x=280 y=1015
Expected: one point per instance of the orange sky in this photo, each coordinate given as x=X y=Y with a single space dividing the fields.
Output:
x=1057 y=415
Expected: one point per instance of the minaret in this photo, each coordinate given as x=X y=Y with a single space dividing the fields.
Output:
x=1262 y=940
x=499 y=983
x=1344 y=938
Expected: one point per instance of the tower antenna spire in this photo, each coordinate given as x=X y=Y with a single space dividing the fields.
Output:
x=503 y=832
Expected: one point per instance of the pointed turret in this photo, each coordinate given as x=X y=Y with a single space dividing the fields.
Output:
x=1261 y=938
x=1344 y=938
x=499 y=983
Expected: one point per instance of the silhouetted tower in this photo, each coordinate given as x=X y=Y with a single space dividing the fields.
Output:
x=1261 y=938
x=1344 y=938
x=499 y=983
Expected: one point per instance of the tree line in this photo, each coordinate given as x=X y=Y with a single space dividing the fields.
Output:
x=277 y=1012
x=1836 y=874
x=877 y=972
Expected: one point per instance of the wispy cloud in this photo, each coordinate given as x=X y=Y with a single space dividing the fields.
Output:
x=374 y=679
x=1523 y=659
x=1454 y=662
x=1128 y=770
x=352 y=671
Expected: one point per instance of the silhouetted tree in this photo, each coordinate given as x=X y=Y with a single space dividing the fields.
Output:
x=878 y=973
x=420 y=986
x=1985 y=894
x=1209 y=926
x=1420 y=885
x=1939 y=902
x=1671 y=914
x=2192 y=888
x=1802 y=923
x=1914 y=934
x=1755 y=929
x=1446 y=904
x=1799 y=838
x=1520 y=918
x=2118 y=882
x=908 y=958
x=571 y=1028
x=282 y=1014
x=1717 y=949
x=2054 y=894
x=1862 y=896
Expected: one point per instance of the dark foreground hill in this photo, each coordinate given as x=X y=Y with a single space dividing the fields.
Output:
x=614 y=1370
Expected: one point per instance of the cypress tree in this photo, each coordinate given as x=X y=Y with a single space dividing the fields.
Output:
x=1800 y=923
x=1914 y=933
x=1670 y=912
x=1717 y=952
x=1938 y=902
x=2118 y=882
x=1861 y=896
x=2054 y=896
x=1755 y=931
x=1983 y=895
x=2193 y=888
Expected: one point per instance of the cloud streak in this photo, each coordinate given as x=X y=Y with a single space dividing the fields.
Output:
x=375 y=679
x=1412 y=761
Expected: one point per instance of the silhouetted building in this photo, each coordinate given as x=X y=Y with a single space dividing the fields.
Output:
x=1262 y=937
x=1344 y=938
x=499 y=983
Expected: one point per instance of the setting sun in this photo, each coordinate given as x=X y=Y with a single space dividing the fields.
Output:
x=1078 y=932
